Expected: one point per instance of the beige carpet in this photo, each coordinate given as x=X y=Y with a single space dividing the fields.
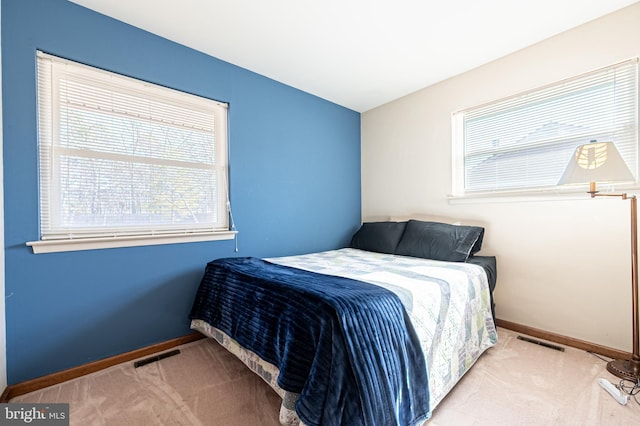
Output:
x=520 y=383
x=514 y=383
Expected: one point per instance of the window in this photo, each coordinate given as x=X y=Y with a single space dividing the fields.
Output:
x=524 y=142
x=122 y=158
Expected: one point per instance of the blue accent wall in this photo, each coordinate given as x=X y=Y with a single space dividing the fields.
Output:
x=295 y=188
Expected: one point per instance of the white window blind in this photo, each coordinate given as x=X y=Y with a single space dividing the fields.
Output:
x=122 y=157
x=524 y=142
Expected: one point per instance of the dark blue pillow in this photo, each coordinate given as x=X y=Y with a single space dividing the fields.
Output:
x=440 y=241
x=381 y=237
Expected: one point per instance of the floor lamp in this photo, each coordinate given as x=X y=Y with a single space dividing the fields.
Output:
x=601 y=162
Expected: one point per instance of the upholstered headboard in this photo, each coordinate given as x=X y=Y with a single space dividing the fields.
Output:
x=426 y=218
x=436 y=218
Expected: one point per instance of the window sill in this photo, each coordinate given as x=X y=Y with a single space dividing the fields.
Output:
x=535 y=196
x=55 y=246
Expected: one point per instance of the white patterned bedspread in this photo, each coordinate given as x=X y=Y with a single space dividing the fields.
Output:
x=448 y=303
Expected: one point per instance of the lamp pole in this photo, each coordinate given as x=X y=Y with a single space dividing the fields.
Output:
x=628 y=369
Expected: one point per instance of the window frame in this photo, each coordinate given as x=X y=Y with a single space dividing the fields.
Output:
x=461 y=194
x=55 y=236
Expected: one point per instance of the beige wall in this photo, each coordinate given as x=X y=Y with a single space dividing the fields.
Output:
x=563 y=263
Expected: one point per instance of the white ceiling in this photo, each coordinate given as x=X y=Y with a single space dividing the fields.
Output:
x=356 y=53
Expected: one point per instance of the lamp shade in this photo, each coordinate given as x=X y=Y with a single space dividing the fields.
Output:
x=596 y=162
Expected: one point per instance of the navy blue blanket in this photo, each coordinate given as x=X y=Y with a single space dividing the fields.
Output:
x=347 y=347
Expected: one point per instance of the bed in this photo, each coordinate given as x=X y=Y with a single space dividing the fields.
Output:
x=375 y=333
